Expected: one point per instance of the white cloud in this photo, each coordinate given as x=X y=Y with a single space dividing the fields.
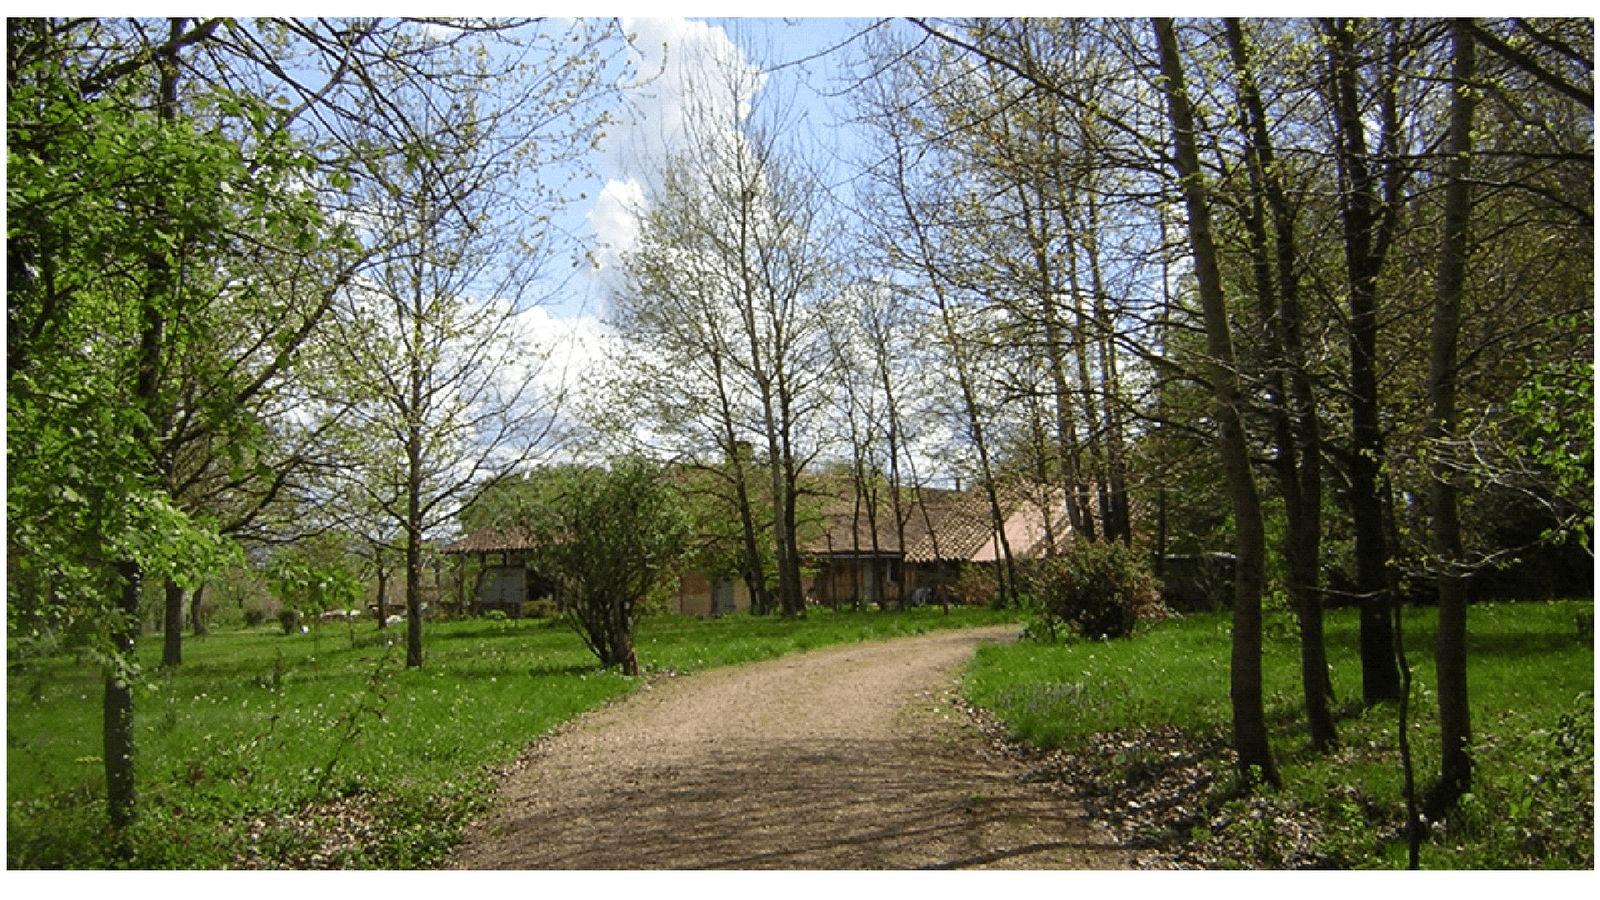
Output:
x=676 y=65
x=613 y=221
x=575 y=345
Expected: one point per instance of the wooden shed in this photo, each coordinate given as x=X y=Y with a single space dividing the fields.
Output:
x=504 y=581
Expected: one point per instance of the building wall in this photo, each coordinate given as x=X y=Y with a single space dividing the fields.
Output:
x=696 y=594
x=842 y=580
x=505 y=585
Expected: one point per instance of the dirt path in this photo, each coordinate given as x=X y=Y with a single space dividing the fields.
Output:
x=847 y=758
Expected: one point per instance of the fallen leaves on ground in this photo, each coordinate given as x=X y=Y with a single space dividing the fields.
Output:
x=1170 y=797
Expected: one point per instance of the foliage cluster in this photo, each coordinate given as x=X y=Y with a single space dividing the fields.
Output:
x=274 y=751
x=1533 y=681
x=1098 y=589
x=1556 y=411
x=978 y=586
x=307 y=589
x=611 y=538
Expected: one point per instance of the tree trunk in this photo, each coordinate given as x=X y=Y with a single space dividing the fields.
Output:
x=1295 y=426
x=413 y=597
x=927 y=260
x=172 y=626
x=1455 y=727
x=791 y=591
x=1066 y=430
x=751 y=569
x=197 y=617
x=414 y=584
x=415 y=401
x=383 y=586
x=1118 y=517
x=1067 y=449
x=413 y=526
x=117 y=727
x=622 y=639
x=1249 y=715
x=896 y=498
x=791 y=600
x=1365 y=246
x=1380 y=679
x=117 y=722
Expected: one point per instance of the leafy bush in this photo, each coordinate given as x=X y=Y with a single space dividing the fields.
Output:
x=1099 y=590
x=611 y=537
x=543 y=608
x=978 y=586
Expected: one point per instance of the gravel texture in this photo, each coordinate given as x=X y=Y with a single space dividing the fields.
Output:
x=847 y=758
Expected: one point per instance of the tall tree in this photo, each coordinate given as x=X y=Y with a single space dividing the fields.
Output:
x=1249 y=714
x=1371 y=180
x=677 y=340
x=1044 y=172
x=736 y=233
x=1297 y=432
x=917 y=212
x=428 y=339
x=1455 y=761
x=859 y=405
x=128 y=215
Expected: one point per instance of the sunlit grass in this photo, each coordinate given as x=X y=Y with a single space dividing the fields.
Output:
x=1053 y=693
x=1531 y=686
x=258 y=726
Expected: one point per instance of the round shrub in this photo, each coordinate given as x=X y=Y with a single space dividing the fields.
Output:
x=1099 y=590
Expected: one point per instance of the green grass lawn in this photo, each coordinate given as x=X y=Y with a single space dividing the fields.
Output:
x=321 y=749
x=1531 y=684
x=258 y=734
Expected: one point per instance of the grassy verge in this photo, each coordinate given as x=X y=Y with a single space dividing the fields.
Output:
x=322 y=750
x=1531 y=681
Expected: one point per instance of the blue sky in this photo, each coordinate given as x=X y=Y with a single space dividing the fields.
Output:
x=636 y=147
x=625 y=163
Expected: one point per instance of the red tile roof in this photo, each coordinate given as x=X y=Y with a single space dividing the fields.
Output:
x=945 y=525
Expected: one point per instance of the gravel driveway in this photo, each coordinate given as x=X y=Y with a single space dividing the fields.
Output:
x=845 y=758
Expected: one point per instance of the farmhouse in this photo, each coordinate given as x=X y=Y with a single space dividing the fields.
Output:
x=943 y=530
x=504 y=581
x=852 y=550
